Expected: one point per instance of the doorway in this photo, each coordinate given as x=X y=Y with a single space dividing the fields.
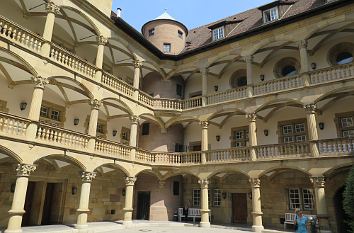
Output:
x=341 y=217
x=43 y=204
x=239 y=208
x=143 y=208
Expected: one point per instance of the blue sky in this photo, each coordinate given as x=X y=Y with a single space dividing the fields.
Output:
x=192 y=13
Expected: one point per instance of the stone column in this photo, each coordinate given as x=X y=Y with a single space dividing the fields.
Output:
x=52 y=10
x=204 y=208
x=92 y=129
x=304 y=59
x=128 y=207
x=83 y=209
x=252 y=135
x=249 y=61
x=18 y=202
x=136 y=82
x=35 y=108
x=321 y=206
x=204 y=72
x=256 y=205
x=205 y=141
x=133 y=135
x=312 y=128
x=102 y=41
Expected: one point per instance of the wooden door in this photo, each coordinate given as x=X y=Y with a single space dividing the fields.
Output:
x=143 y=209
x=239 y=208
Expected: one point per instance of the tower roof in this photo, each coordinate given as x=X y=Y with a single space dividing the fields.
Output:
x=166 y=15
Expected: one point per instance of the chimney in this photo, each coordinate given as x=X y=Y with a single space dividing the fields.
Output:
x=119 y=12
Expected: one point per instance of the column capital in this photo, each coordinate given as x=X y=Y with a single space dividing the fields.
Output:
x=24 y=170
x=130 y=181
x=102 y=40
x=248 y=58
x=318 y=181
x=52 y=8
x=204 y=124
x=40 y=82
x=87 y=177
x=310 y=108
x=95 y=103
x=137 y=64
x=252 y=117
x=134 y=119
x=255 y=182
x=302 y=44
x=204 y=183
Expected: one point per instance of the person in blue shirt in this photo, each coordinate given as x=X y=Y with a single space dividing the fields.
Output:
x=301 y=222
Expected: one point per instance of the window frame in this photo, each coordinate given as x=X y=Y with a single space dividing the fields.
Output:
x=52 y=108
x=340 y=128
x=151 y=32
x=180 y=34
x=196 y=195
x=293 y=135
x=301 y=197
x=291 y=203
x=217 y=197
x=244 y=141
x=167 y=45
x=271 y=16
x=218 y=33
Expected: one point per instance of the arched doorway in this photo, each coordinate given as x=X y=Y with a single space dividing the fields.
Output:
x=341 y=217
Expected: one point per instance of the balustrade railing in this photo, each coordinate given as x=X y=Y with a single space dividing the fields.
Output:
x=66 y=58
x=167 y=104
x=278 y=85
x=117 y=84
x=146 y=99
x=283 y=150
x=144 y=156
x=13 y=125
x=228 y=155
x=336 y=146
x=192 y=103
x=331 y=74
x=115 y=149
x=63 y=137
x=20 y=35
x=232 y=94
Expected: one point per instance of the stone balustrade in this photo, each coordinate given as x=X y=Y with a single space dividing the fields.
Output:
x=23 y=37
x=288 y=150
x=117 y=84
x=19 y=35
x=61 y=137
x=68 y=59
x=337 y=146
x=115 y=149
x=144 y=156
x=331 y=74
x=228 y=155
x=12 y=125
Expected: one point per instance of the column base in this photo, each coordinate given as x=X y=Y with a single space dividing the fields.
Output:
x=258 y=229
x=13 y=231
x=204 y=224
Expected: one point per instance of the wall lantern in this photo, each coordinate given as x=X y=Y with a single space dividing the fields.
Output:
x=249 y=195
x=73 y=190
x=224 y=195
x=23 y=105
x=12 y=187
x=266 y=132
x=321 y=125
x=76 y=121
x=262 y=77
x=114 y=132
x=216 y=88
x=313 y=65
x=123 y=192
x=217 y=138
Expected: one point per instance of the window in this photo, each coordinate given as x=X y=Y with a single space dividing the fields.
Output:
x=179 y=90
x=218 y=33
x=270 y=15
x=239 y=79
x=145 y=129
x=293 y=131
x=301 y=198
x=100 y=128
x=344 y=58
x=55 y=115
x=288 y=71
x=125 y=134
x=152 y=32
x=179 y=147
x=239 y=137
x=345 y=125
x=180 y=34
x=217 y=198
x=196 y=197
x=176 y=188
x=341 y=54
x=287 y=67
x=166 y=47
x=51 y=113
x=3 y=107
x=44 y=112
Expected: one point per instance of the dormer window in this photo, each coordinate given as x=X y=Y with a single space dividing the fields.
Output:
x=218 y=33
x=270 y=15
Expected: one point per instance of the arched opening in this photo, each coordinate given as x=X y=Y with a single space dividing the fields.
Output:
x=238 y=79
x=341 y=217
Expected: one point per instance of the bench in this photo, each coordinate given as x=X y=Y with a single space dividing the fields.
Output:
x=193 y=213
x=179 y=215
x=290 y=218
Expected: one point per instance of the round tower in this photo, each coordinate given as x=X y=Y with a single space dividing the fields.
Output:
x=166 y=33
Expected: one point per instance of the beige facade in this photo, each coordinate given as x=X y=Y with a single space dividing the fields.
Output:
x=96 y=126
